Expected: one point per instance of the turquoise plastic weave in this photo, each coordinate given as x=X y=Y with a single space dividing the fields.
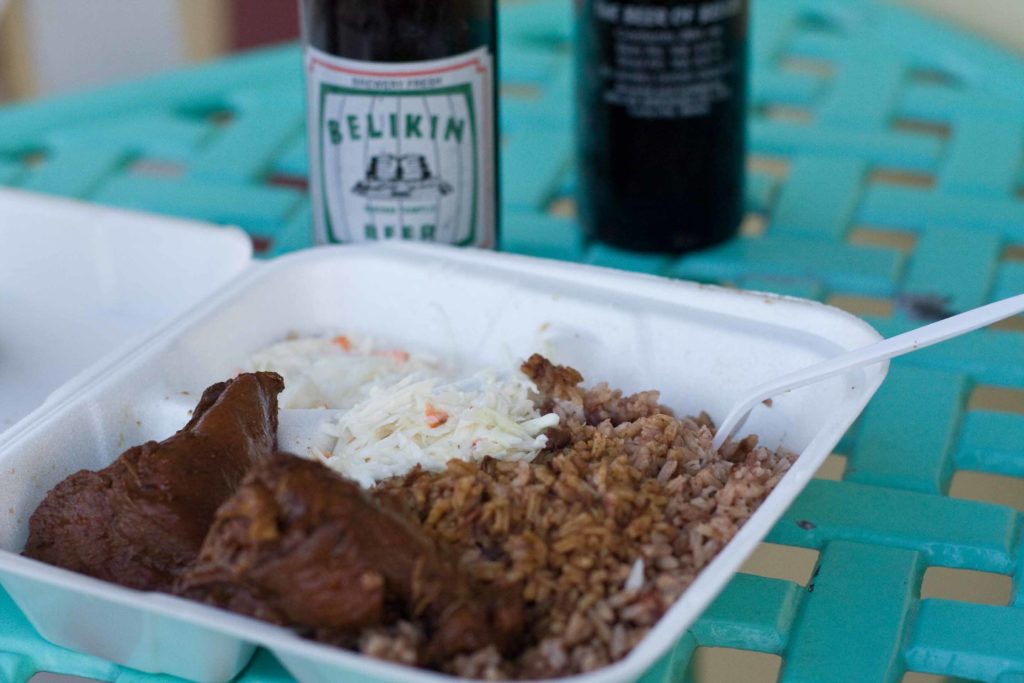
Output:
x=887 y=172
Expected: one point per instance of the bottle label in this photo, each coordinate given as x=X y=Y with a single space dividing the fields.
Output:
x=402 y=150
x=669 y=61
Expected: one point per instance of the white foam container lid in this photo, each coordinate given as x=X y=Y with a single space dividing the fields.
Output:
x=79 y=282
x=701 y=346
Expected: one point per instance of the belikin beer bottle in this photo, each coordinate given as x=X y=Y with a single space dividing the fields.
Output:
x=661 y=95
x=401 y=107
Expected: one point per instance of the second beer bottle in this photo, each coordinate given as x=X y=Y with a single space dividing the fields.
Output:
x=661 y=99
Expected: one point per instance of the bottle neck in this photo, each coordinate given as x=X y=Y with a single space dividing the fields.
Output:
x=398 y=30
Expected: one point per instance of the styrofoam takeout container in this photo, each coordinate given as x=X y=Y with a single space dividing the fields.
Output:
x=701 y=346
x=79 y=282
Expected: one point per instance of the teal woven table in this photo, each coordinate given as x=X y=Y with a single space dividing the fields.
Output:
x=886 y=176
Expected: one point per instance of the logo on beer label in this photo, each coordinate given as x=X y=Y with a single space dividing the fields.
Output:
x=401 y=177
x=402 y=151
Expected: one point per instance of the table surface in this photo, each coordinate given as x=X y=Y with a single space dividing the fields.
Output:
x=886 y=176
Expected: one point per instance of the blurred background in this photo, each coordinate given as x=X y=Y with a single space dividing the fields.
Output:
x=53 y=46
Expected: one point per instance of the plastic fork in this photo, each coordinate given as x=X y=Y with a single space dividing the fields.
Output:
x=873 y=353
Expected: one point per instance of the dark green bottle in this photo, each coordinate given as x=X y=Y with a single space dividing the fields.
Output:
x=661 y=102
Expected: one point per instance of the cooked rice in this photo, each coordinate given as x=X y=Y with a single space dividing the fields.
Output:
x=601 y=533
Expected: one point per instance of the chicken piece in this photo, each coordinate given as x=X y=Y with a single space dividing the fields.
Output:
x=554 y=382
x=298 y=545
x=559 y=392
x=141 y=520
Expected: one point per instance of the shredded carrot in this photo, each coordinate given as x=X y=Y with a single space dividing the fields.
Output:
x=435 y=417
x=342 y=341
x=395 y=354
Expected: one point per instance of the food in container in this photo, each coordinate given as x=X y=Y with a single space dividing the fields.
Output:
x=701 y=345
x=493 y=563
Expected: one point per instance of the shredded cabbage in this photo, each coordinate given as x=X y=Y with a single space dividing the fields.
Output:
x=335 y=372
x=402 y=410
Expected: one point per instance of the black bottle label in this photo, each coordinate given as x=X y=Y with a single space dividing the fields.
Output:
x=667 y=61
x=401 y=150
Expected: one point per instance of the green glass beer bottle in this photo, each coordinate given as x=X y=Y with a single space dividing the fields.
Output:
x=401 y=112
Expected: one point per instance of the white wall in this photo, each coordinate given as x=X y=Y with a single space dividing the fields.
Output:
x=1000 y=20
x=84 y=43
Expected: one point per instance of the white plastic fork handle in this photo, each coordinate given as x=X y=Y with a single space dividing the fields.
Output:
x=299 y=430
x=873 y=353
